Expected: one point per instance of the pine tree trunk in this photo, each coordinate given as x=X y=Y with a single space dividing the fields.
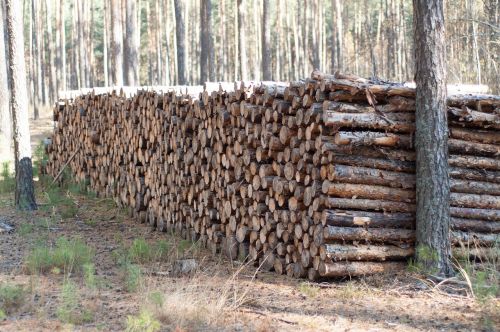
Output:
x=5 y=116
x=180 y=34
x=117 y=42
x=431 y=139
x=36 y=60
x=62 y=49
x=266 y=42
x=131 y=67
x=25 y=192
x=51 y=51
x=242 y=40
x=105 y=45
x=207 y=51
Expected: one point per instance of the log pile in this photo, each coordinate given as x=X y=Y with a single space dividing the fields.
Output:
x=313 y=178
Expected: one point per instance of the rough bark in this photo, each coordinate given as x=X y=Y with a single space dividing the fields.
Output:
x=433 y=187
x=5 y=116
x=242 y=40
x=131 y=54
x=266 y=42
x=25 y=193
x=180 y=38
x=117 y=42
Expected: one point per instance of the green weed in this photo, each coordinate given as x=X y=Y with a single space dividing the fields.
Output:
x=142 y=252
x=7 y=181
x=11 y=298
x=40 y=159
x=144 y=322
x=133 y=276
x=308 y=290
x=89 y=275
x=25 y=229
x=66 y=255
x=70 y=310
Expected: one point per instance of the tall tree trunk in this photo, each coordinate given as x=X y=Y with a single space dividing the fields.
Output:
x=266 y=42
x=180 y=33
x=131 y=67
x=62 y=48
x=5 y=116
x=50 y=51
x=431 y=139
x=36 y=75
x=105 y=44
x=25 y=191
x=207 y=51
x=242 y=39
x=116 y=24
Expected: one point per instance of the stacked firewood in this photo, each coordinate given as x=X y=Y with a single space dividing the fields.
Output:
x=313 y=178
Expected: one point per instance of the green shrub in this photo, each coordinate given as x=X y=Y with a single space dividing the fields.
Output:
x=11 y=298
x=7 y=181
x=141 y=252
x=132 y=276
x=70 y=310
x=66 y=255
x=144 y=322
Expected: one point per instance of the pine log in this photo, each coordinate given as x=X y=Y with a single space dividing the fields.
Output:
x=354 y=269
x=346 y=252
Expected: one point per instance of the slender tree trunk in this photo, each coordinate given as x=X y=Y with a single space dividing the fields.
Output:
x=242 y=39
x=36 y=60
x=266 y=42
x=130 y=51
x=51 y=51
x=431 y=139
x=105 y=45
x=25 y=191
x=180 y=33
x=5 y=116
x=62 y=48
x=207 y=51
x=117 y=46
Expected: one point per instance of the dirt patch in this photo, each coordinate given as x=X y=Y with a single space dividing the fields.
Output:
x=221 y=295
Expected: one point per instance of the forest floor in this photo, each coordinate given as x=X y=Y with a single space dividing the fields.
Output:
x=81 y=263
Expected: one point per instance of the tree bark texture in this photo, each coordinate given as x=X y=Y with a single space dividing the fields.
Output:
x=25 y=192
x=180 y=38
x=431 y=138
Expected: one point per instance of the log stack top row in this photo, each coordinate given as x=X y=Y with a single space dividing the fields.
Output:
x=313 y=178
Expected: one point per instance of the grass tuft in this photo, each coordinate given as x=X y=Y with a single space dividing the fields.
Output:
x=143 y=322
x=66 y=255
x=70 y=310
x=7 y=181
x=12 y=297
x=308 y=289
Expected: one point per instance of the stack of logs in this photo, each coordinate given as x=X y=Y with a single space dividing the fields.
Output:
x=314 y=178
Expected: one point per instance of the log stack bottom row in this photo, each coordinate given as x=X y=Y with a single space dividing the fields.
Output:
x=313 y=178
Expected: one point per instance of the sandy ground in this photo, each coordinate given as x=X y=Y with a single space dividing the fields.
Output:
x=221 y=295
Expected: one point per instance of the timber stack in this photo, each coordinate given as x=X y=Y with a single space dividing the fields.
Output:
x=314 y=178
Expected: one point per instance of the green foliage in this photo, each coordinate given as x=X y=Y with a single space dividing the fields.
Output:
x=144 y=322
x=40 y=159
x=425 y=261
x=156 y=298
x=66 y=255
x=308 y=290
x=7 y=181
x=142 y=252
x=25 y=229
x=70 y=310
x=11 y=298
x=59 y=201
x=89 y=275
x=132 y=276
